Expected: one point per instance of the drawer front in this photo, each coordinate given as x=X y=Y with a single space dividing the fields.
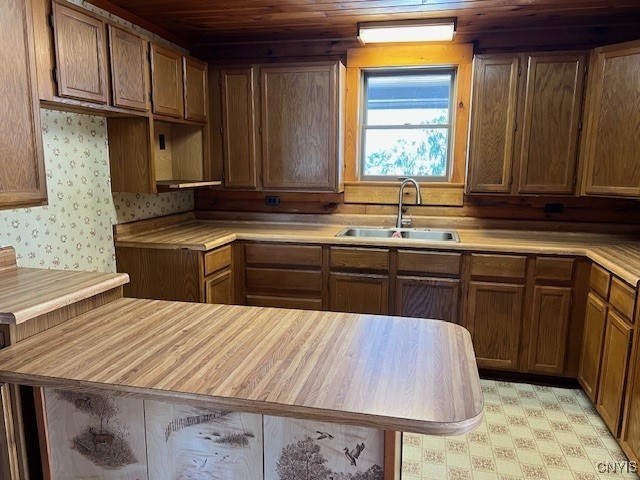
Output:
x=600 y=281
x=360 y=258
x=284 y=302
x=623 y=298
x=283 y=256
x=439 y=263
x=498 y=266
x=217 y=259
x=261 y=280
x=555 y=269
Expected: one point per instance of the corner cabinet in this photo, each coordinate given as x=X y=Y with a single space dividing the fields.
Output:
x=526 y=123
x=281 y=127
x=611 y=163
x=22 y=176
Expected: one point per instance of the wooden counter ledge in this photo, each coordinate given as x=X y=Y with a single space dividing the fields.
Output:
x=382 y=372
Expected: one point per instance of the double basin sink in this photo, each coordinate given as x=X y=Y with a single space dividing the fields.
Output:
x=408 y=233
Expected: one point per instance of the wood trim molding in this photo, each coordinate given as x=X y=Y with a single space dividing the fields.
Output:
x=359 y=59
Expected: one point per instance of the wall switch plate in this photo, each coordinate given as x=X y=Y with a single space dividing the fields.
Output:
x=161 y=141
x=273 y=201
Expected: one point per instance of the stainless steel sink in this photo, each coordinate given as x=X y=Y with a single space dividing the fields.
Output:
x=410 y=233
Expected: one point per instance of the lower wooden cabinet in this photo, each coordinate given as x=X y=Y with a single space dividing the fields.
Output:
x=548 y=329
x=219 y=288
x=615 y=361
x=593 y=336
x=358 y=293
x=494 y=318
x=435 y=298
x=630 y=437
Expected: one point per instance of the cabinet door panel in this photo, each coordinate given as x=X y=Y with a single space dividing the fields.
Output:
x=238 y=133
x=195 y=90
x=614 y=123
x=550 y=128
x=433 y=298
x=167 y=82
x=129 y=68
x=631 y=421
x=219 y=289
x=548 y=334
x=299 y=114
x=22 y=173
x=615 y=360
x=591 y=354
x=81 y=61
x=359 y=293
x=495 y=322
x=495 y=95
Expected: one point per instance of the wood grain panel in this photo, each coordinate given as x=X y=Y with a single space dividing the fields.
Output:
x=8 y=453
x=265 y=280
x=130 y=156
x=238 y=128
x=81 y=59
x=167 y=84
x=359 y=258
x=600 y=281
x=219 y=288
x=623 y=298
x=438 y=263
x=325 y=366
x=592 y=344
x=22 y=176
x=434 y=298
x=7 y=259
x=630 y=436
x=195 y=89
x=549 y=325
x=495 y=321
x=615 y=360
x=498 y=266
x=129 y=69
x=217 y=259
x=552 y=112
x=284 y=302
x=554 y=269
x=493 y=117
x=300 y=115
x=262 y=254
x=612 y=134
x=357 y=293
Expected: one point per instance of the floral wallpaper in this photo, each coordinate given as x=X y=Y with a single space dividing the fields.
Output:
x=75 y=230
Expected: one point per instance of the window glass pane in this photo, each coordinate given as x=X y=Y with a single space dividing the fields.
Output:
x=408 y=99
x=406 y=152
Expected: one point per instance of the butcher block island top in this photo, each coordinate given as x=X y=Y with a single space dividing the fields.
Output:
x=383 y=372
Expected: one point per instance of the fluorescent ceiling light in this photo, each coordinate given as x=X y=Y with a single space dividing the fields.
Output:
x=396 y=32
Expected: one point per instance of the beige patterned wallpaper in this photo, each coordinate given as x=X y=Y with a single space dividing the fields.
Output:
x=74 y=231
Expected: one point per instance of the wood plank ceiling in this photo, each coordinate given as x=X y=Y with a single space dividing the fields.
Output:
x=207 y=24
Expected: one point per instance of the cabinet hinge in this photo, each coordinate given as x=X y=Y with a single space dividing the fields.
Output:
x=260 y=129
x=221 y=131
x=586 y=68
x=515 y=126
x=151 y=99
x=54 y=75
x=51 y=23
x=149 y=55
x=580 y=125
x=574 y=179
x=519 y=71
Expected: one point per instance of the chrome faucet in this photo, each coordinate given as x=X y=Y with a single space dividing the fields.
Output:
x=400 y=222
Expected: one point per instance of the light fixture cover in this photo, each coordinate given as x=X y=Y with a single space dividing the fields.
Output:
x=437 y=30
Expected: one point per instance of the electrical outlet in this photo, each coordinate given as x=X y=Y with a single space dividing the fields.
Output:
x=272 y=201
x=162 y=142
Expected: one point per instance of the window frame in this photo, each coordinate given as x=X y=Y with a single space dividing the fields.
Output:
x=450 y=126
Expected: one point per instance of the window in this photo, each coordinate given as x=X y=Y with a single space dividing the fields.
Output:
x=406 y=127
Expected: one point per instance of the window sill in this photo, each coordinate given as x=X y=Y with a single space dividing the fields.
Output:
x=386 y=193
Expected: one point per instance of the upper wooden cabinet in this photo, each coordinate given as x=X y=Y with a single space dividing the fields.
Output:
x=167 y=81
x=129 y=69
x=195 y=89
x=525 y=127
x=81 y=58
x=613 y=123
x=22 y=173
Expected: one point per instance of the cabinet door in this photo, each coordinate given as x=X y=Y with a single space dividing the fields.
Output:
x=548 y=329
x=495 y=322
x=219 y=289
x=495 y=99
x=615 y=360
x=22 y=175
x=167 y=82
x=195 y=90
x=357 y=293
x=552 y=112
x=614 y=123
x=81 y=60
x=434 y=298
x=593 y=336
x=299 y=127
x=631 y=420
x=129 y=70
x=238 y=128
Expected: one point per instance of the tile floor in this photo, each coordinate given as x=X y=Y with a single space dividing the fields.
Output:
x=528 y=431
